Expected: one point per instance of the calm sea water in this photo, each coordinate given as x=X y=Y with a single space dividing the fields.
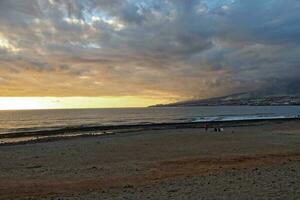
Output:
x=20 y=121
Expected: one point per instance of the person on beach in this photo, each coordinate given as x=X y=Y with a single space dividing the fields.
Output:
x=218 y=129
x=206 y=127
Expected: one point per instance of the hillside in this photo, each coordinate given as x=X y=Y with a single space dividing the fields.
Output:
x=250 y=99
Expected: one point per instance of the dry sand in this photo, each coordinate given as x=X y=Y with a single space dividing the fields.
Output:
x=259 y=161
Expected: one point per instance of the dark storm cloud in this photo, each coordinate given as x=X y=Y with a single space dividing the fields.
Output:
x=174 y=48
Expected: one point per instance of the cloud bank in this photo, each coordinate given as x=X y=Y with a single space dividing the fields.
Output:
x=168 y=49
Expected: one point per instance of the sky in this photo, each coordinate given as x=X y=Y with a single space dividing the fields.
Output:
x=120 y=53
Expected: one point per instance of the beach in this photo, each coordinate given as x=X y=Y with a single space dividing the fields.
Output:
x=248 y=160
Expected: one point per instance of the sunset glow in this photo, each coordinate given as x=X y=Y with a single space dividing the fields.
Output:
x=159 y=99
x=31 y=103
x=119 y=53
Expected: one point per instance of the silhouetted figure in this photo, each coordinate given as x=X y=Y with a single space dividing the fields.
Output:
x=206 y=127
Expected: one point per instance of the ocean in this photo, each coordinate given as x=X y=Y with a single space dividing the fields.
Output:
x=20 y=122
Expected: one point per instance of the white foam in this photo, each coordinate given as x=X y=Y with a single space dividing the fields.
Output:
x=236 y=118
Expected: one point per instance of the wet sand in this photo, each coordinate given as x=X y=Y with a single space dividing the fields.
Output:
x=258 y=160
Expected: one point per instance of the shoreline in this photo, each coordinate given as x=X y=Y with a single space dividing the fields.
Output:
x=104 y=130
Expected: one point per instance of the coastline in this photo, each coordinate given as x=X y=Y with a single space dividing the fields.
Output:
x=24 y=137
x=245 y=160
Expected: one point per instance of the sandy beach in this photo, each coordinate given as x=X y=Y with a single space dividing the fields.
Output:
x=257 y=160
